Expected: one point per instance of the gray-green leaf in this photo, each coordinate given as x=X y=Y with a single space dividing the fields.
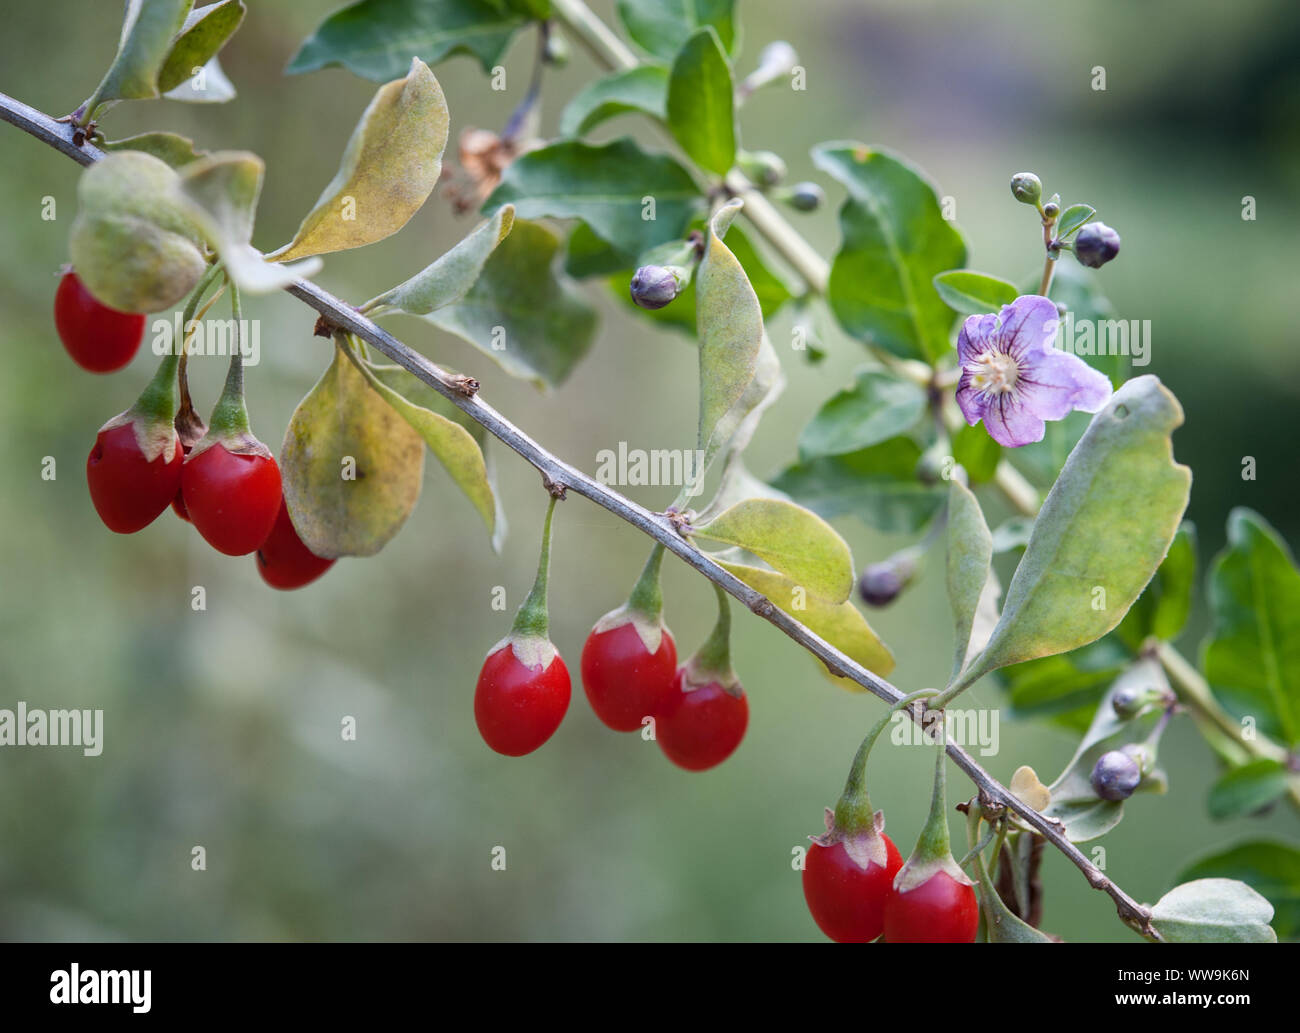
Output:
x=1102 y=531
x=974 y=293
x=1273 y=869
x=970 y=554
x=1213 y=911
x=1246 y=789
x=376 y=39
x=172 y=148
x=794 y=540
x=896 y=241
x=701 y=102
x=523 y=312
x=204 y=33
x=148 y=28
x=451 y=277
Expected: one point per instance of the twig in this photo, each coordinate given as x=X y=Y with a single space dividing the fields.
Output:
x=658 y=526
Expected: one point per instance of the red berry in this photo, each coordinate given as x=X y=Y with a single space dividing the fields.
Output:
x=127 y=489
x=623 y=680
x=701 y=728
x=848 y=902
x=518 y=708
x=232 y=499
x=178 y=506
x=940 y=910
x=284 y=561
x=99 y=339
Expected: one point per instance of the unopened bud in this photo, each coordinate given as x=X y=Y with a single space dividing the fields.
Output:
x=1115 y=776
x=764 y=168
x=882 y=582
x=1026 y=188
x=556 y=51
x=1096 y=245
x=806 y=197
x=654 y=286
x=1051 y=210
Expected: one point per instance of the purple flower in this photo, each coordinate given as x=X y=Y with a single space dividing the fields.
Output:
x=1014 y=380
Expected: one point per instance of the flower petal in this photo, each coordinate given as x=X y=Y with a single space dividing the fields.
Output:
x=1011 y=423
x=974 y=337
x=1053 y=383
x=972 y=402
x=1029 y=324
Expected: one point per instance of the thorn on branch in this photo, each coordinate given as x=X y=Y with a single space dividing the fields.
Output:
x=557 y=490
x=323 y=327
x=467 y=386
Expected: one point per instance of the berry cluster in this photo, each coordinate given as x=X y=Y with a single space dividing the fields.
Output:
x=630 y=674
x=222 y=480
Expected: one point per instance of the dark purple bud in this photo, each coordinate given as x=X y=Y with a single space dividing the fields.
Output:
x=1051 y=210
x=654 y=286
x=1026 y=188
x=1115 y=776
x=1096 y=245
x=882 y=582
x=806 y=197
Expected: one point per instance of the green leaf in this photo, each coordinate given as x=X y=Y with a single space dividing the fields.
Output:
x=522 y=311
x=1273 y=869
x=730 y=326
x=1162 y=609
x=148 y=28
x=1066 y=688
x=701 y=103
x=345 y=426
x=451 y=277
x=172 y=148
x=796 y=542
x=1246 y=789
x=611 y=187
x=205 y=32
x=222 y=190
x=1106 y=524
x=877 y=407
x=377 y=39
x=388 y=170
x=209 y=86
x=896 y=241
x=974 y=293
x=455 y=447
x=877 y=484
x=977 y=453
x=1072 y=219
x=1213 y=911
x=643 y=89
x=1252 y=657
x=661 y=27
x=971 y=596
x=737 y=426
x=840 y=624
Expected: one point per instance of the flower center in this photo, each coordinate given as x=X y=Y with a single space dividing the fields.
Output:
x=996 y=372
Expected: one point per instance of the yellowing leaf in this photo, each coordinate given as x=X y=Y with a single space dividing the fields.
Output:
x=351 y=465
x=388 y=170
x=794 y=540
x=840 y=624
x=1027 y=788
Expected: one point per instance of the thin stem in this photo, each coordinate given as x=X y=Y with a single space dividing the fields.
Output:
x=854 y=810
x=647 y=596
x=657 y=525
x=533 y=618
x=712 y=661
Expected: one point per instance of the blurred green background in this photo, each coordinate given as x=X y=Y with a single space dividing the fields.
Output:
x=222 y=728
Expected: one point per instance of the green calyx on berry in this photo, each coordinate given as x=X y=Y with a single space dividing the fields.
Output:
x=854 y=822
x=530 y=635
x=229 y=424
x=153 y=413
x=644 y=608
x=933 y=851
x=711 y=663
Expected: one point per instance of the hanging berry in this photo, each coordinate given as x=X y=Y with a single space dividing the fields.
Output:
x=932 y=900
x=849 y=871
x=99 y=339
x=523 y=689
x=284 y=561
x=630 y=658
x=707 y=713
x=230 y=482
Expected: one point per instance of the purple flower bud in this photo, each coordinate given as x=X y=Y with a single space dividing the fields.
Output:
x=654 y=286
x=1115 y=776
x=1096 y=245
x=882 y=582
